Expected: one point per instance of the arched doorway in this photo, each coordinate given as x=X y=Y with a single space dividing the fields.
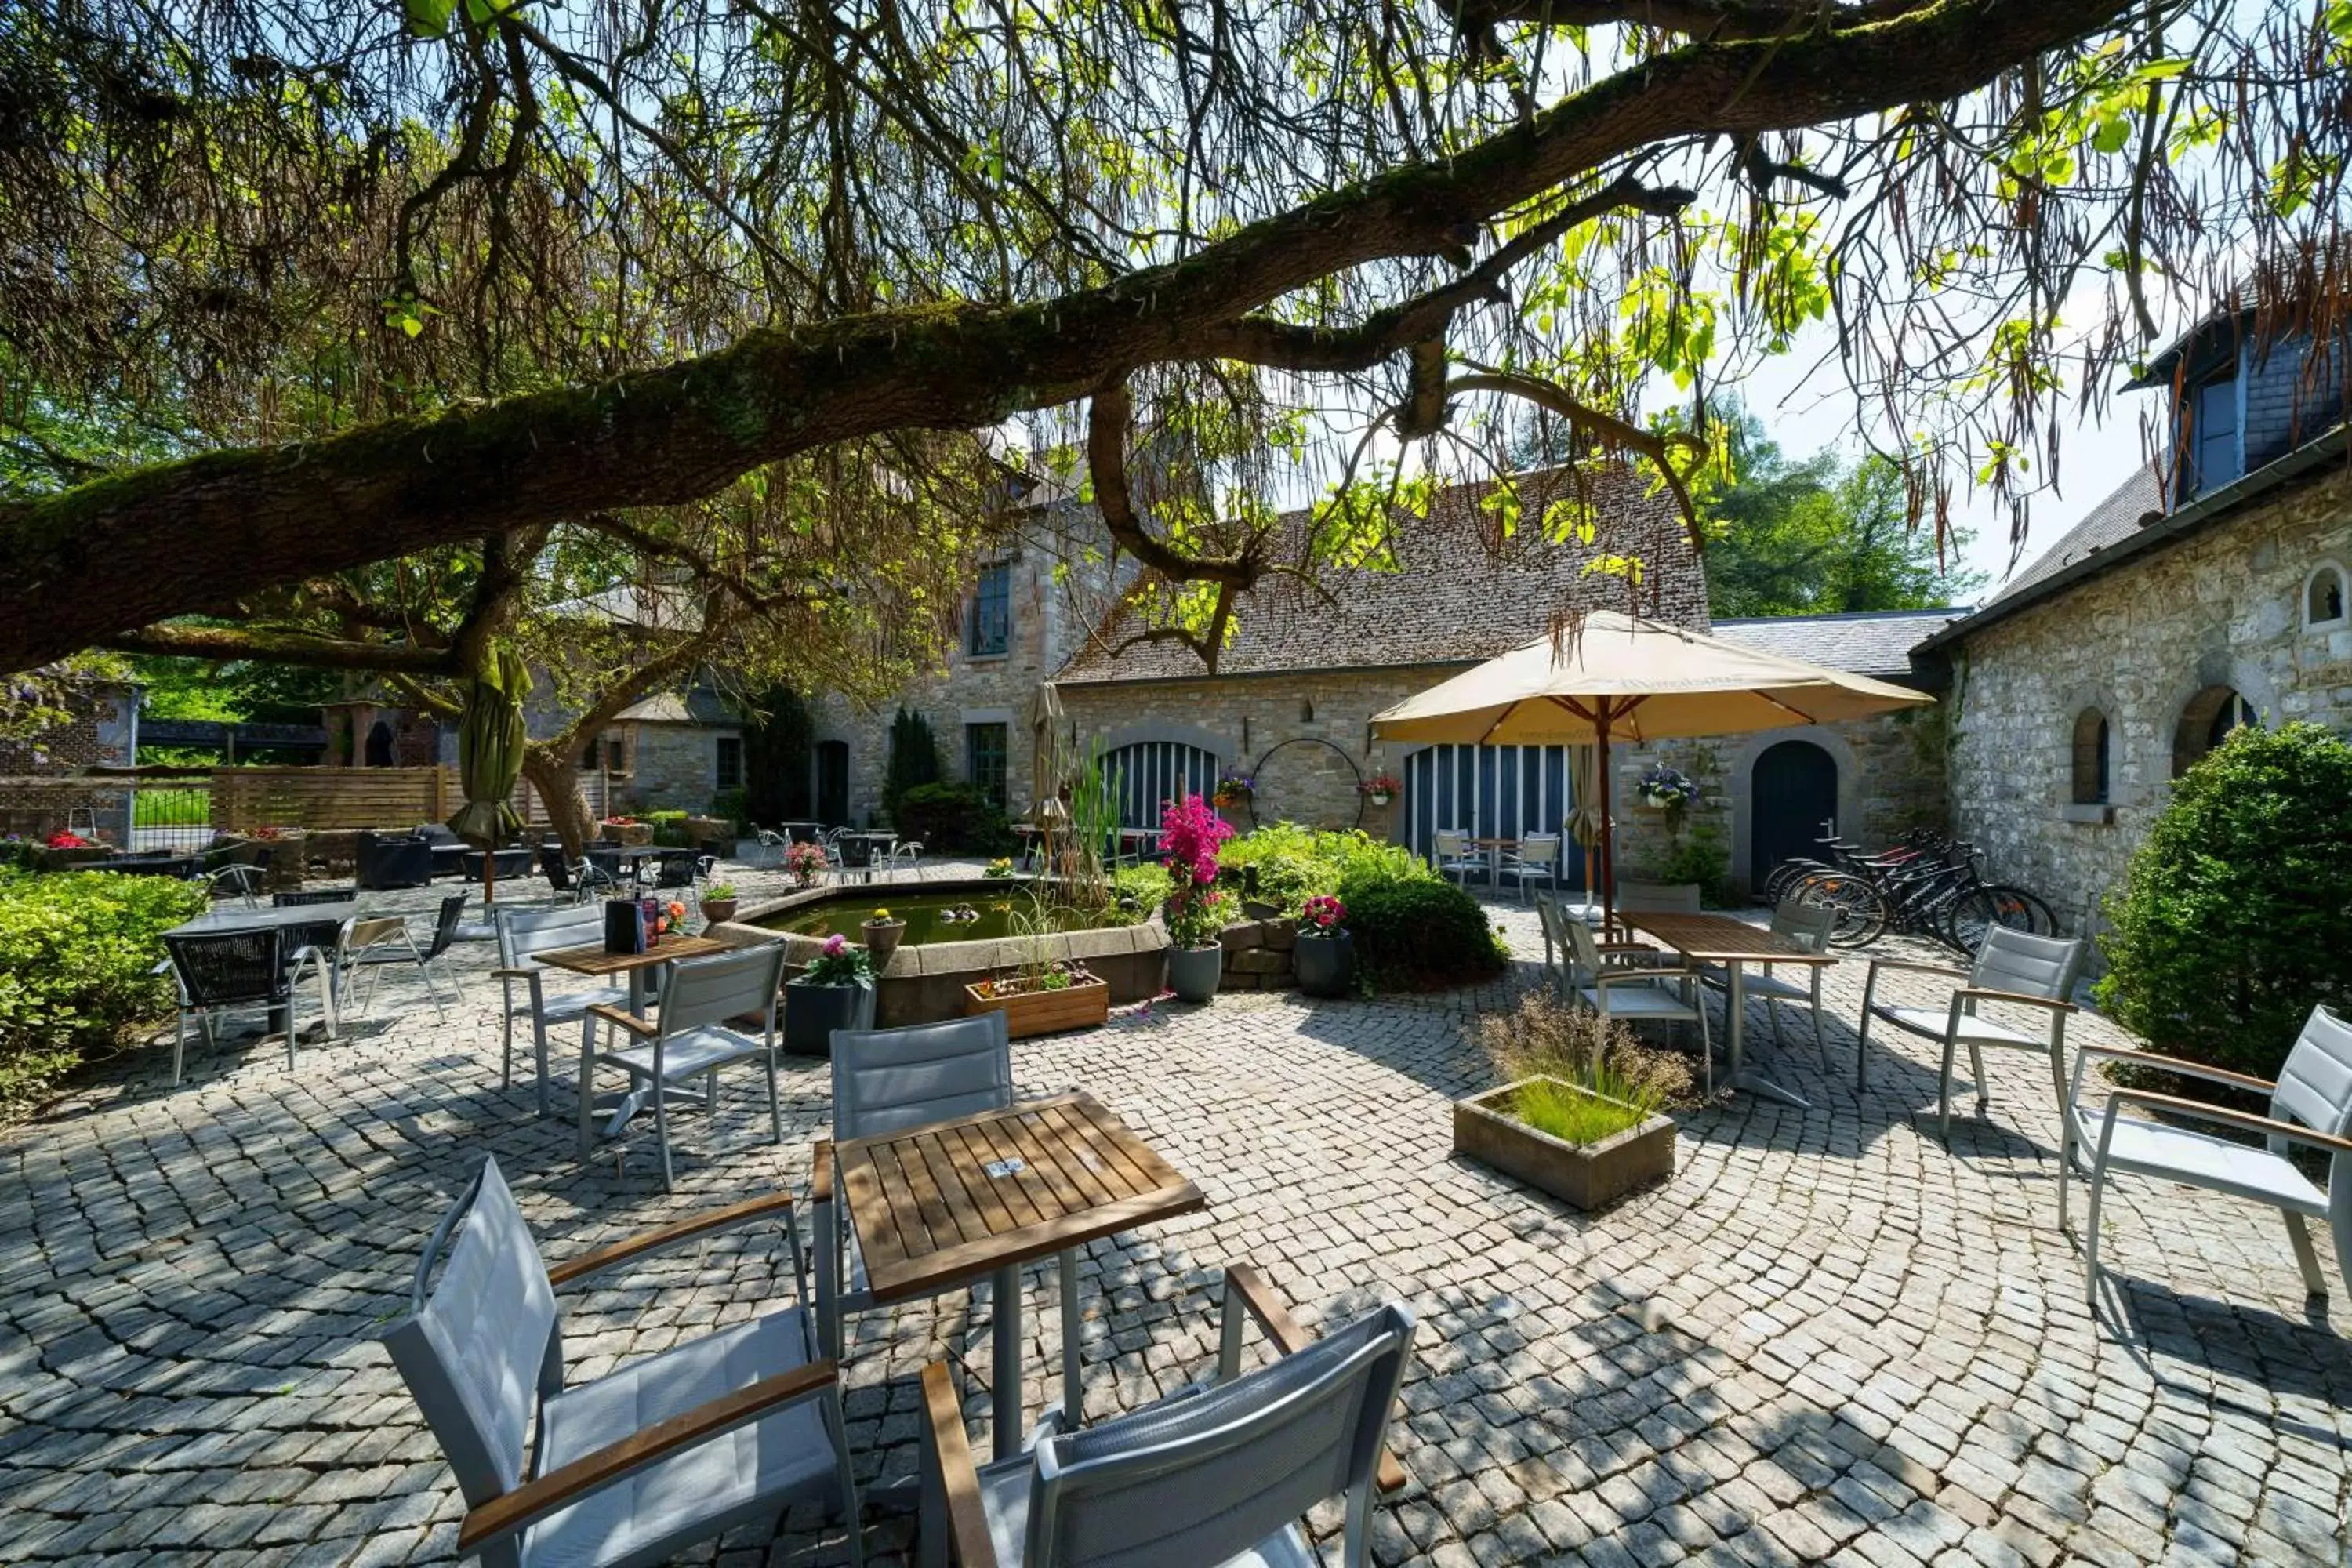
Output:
x=1793 y=791
x=379 y=745
x=833 y=783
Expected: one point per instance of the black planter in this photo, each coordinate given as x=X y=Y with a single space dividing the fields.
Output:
x=1326 y=965
x=1193 y=972
x=812 y=1013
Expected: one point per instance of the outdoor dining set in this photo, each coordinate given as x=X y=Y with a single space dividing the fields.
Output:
x=937 y=1176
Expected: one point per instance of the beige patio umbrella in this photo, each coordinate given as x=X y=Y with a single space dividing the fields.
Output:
x=1624 y=677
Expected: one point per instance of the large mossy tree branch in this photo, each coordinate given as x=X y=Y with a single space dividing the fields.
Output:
x=141 y=547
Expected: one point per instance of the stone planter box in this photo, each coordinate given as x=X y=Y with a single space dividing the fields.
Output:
x=1082 y=1005
x=712 y=830
x=1583 y=1177
x=627 y=832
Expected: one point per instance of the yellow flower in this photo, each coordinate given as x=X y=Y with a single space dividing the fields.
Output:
x=881 y=914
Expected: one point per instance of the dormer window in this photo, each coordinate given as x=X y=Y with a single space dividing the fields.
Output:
x=2211 y=441
x=2323 y=598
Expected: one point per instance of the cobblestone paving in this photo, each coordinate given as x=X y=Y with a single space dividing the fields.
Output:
x=1830 y=1337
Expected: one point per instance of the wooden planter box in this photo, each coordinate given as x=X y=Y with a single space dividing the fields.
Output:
x=1583 y=1177
x=1083 y=1005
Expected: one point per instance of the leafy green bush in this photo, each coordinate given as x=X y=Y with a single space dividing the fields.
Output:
x=669 y=828
x=1418 y=932
x=75 y=952
x=1137 y=890
x=1697 y=855
x=1285 y=865
x=2233 y=919
x=952 y=816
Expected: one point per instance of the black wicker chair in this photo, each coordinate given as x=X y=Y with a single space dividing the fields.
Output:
x=216 y=971
x=304 y=899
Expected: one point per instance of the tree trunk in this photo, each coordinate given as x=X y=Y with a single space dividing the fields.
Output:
x=554 y=772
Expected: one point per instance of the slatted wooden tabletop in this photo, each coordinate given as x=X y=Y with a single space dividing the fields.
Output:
x=955 y=1200
x=1719 y=939
x=597 y=962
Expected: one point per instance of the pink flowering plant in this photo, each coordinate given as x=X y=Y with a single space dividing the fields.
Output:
x=1323 y=916
x=805 y=860
x=838 y=963
x=1190 y=834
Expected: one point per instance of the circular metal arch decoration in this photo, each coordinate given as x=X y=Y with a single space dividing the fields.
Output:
x=1335 y=750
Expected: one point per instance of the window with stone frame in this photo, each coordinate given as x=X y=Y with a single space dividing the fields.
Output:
x=2092 y=776
x=2324 y=598
x=2205 y=722
x=727 y=765
x=983 y=761
x=989 y=632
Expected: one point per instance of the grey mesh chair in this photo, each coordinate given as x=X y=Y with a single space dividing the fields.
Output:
x=2311 y=1105
x=671 y=1449
x=1559 y=953
x=1659 y=897
x=522 y=932
x=1450 y=852
x=1604 y=982
x=885 y=1080
x=692 y=1037
x=1537 y=860
x=392 y=943
x=2012 y=967
x=1220 y=1473
x=1807 y=925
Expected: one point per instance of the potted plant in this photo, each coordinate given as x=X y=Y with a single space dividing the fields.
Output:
x=1233 y=789
x=1044 y=998
x=1196 y=912
x=718 y=903
x=626 y=830
x=1381 y=788
x=998 y=869
x=835 y=992
x=882 y=934
x=805 y=860
x=1666 y=789
x=1585 y=1143
x=1325 y=957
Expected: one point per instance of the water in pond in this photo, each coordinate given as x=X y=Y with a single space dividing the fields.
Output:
x=971 y=914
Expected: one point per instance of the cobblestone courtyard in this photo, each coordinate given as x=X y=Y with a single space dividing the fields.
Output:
x=1830 y=1337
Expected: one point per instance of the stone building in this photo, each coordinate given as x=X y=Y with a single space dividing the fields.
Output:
x=674 y=750
x=2210 y=589
x=1291 y=703
x=101 y=730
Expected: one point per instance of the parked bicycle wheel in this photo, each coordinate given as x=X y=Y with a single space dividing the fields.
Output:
x=1786 y=875
x=1861 y=911
x=1979 y=910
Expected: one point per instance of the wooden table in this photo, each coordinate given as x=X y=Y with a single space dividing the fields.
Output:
x=598 y=964
x=947 y=1203
x=1734 y=944
x=1495 y=849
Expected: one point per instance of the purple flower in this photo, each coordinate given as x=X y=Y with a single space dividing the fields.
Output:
x=835 y=945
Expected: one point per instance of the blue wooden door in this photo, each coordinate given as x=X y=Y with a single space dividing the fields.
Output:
x=1151 y=773
x=1491 y=792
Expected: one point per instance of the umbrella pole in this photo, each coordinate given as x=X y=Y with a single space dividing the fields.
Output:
x=1608 y=838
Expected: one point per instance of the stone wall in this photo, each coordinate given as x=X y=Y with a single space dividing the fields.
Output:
x=1244 y=719
x=1258 y=955
x=673 y=767
x=2222 y=609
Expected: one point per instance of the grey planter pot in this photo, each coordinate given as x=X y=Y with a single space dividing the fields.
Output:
x=1326 y=965
x=1193 y=972
x=812 y=1013
x=1583 y=1176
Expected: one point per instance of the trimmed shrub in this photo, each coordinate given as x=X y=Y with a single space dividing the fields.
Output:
x=76 y=952
x=2233 y=919
x=914 y=763
x=1418 y=932
x=952 y=817
x=669 y=828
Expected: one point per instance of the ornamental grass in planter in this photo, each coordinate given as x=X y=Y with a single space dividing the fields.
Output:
x=1578 y=1114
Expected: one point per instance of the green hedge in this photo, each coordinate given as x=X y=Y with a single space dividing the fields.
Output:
x=75 y=952
x=2235 y=917
x=1418 y=932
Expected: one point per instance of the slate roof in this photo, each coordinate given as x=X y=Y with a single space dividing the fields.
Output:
x=696 y=707
x=2109 y=523
x=1864 y=642
x=1453 y=599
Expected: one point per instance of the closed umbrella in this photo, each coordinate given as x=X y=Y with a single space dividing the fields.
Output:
x=1630 y=678
x=1046 y=766
x=1584 y=817
x=490 y=741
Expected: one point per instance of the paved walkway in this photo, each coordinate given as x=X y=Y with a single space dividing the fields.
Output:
x=1828 y=1337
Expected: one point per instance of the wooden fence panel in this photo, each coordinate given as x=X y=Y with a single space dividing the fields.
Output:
x=329 y=798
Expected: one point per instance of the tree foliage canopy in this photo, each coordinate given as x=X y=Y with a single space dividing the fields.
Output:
x=1819 y=536
x=405 y=276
